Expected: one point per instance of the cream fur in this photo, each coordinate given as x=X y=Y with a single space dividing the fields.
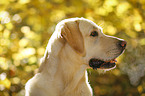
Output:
x=63 y=67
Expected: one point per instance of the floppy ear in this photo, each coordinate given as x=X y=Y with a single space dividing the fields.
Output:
x=71 y=32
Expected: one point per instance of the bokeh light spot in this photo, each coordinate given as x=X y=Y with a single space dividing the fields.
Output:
x=142 y=41
x=6 y=33
x=28 y=68
x=140 y=89
x=137 y=27
x=32 y=60
x=15 y=80
x=3 y=76
x=3 y=63
x=1 y=27
x=27 y=52
x=111 y=30
x=41 y=51
x=25 y=29
x=23 y=42
x=24 y=1
x=122 y=7
x=17 y=18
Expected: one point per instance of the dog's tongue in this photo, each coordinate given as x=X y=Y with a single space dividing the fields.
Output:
x=112 y=61
x=108 y=65
x=95 y=63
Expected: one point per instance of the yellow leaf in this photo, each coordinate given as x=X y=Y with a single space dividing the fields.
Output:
x=142 y=41
x=23 y=42
x=3 y=63
x=9 y=26
x=6 y=83
x=25 y=29
x=24 y=1
x=6 y=33
x=140 y=89
x=27 y=52
x=111 y=30
x=1 y=27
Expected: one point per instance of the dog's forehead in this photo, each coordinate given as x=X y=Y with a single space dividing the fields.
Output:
x=88 y=25
x=85 y=25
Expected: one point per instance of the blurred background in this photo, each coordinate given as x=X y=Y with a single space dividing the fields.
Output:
x=26 y=26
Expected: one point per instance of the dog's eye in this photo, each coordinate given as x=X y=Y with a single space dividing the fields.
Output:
x=94 y=33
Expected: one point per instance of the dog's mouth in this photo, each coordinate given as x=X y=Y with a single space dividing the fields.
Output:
x=97 y=63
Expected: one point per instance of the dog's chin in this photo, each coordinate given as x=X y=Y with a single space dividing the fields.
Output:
x=101 y=64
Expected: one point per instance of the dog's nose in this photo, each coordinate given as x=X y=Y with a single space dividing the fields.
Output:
x=122 y=44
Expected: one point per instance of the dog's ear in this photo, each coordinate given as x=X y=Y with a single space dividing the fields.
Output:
x=71 y=32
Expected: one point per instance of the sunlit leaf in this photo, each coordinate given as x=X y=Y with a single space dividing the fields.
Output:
x=32 y=60
x=140 y=89
x=3 y=14
x=23 y=42
x=6 y=33
x=41 y=51
x=15 y=80
x=6 y=82
x=3 y=63
x=24 y=1
x=17 y=56
x=116 y=72
x=122 y=7
x=111 y=2
x=57 y=15
x=142 y=41
x=4 y=42
x=3 y=76
x=101 y=11
x=27 y=52
x=17 y=18
x=1 y=27
x=25 y=29
x=137 y=27
x=33 y=35
x=2 y=87
x=137 y=17
x=131 y=34
x=28 y=68
x=9 y=26
x=111 y=30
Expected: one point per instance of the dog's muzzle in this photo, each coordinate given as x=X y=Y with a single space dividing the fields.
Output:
x=110 y=64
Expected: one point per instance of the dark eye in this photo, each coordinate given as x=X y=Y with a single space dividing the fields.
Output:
x=94 y=33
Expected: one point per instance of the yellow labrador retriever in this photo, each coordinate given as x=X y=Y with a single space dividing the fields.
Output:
x=75 y=45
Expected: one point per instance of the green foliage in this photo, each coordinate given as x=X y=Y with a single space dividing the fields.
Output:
x=26 y=26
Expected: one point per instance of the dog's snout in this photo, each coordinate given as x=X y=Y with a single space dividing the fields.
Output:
x=122 y=44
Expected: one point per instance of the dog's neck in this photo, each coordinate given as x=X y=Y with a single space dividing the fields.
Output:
x=73 y=63
x=66 y=68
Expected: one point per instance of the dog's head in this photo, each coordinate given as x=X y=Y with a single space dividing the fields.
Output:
x=87 y=39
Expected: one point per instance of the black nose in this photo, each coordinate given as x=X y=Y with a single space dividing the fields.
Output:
x=122 y=44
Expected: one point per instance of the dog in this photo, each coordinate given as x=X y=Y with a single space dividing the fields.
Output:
x=76 y=44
